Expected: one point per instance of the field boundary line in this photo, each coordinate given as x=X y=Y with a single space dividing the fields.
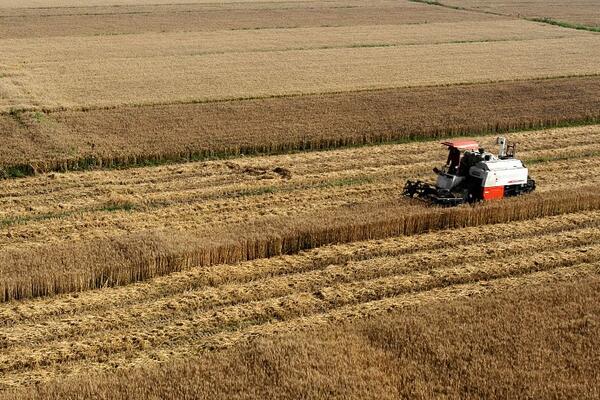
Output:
x=50 y=110
x=565 y=24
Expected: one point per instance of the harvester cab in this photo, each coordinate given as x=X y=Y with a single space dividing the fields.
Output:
x=471 y=174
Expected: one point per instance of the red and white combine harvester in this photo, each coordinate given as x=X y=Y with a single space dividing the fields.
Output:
x=471 y=174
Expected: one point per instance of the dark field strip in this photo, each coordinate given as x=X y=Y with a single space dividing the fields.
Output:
x=35 y=142
x=193 y=18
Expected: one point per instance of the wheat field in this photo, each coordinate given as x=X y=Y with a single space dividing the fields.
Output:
x=393 y=353
x=75 y=101
x=213 y=308
x=203 y=199
x=193 y=16
x=133 y=136
x=176 y=44
x=184 y=79
x=123 y=226
x=103 y=71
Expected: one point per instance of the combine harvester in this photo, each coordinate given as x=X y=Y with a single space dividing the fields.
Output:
x=471 y=174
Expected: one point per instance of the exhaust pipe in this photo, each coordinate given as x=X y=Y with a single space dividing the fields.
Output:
x=501 y=141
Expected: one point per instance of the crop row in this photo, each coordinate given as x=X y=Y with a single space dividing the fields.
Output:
x=248 y=177
x=197 y=201
x=308 y=274
x=127 y=297
x=46 y=211
x=119 y=261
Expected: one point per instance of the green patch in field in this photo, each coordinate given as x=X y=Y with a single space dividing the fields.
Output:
x=38 y=117
x=16 y=171
x=437 y=3
x=110 y=206
x=565 y=24
x=17 y=115
x=254 y=191
x=23 y=219
x=119 y=205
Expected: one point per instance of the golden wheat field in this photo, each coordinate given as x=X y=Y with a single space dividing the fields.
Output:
x=171 y=79
x=203 y=200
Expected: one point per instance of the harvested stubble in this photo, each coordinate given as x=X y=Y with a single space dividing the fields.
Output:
x=99 y=263
x=361 y=273
x=139 y=330
x=524 y=233
x=174 y=133
x=92 y=21
x=483 y=347
x=69 y=212
x=190 y=320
